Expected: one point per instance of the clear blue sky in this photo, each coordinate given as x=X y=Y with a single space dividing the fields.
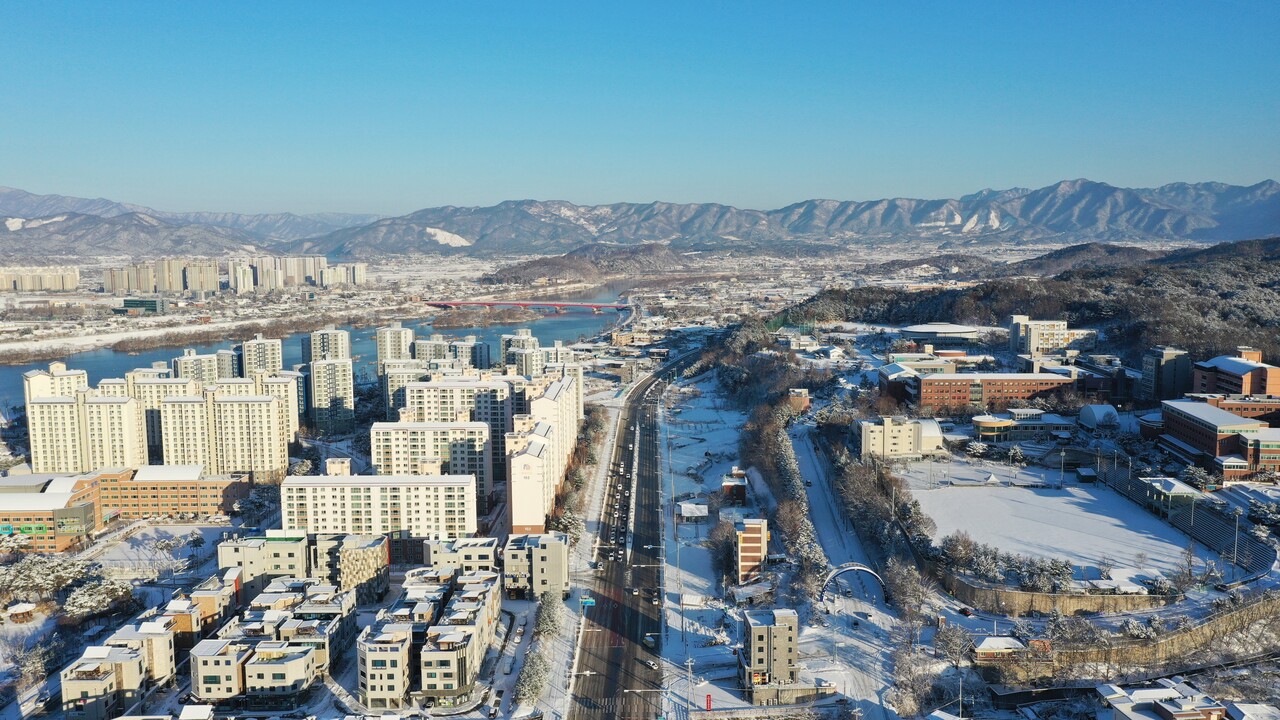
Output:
x=383 y=107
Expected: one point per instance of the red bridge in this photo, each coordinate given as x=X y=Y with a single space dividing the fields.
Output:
x=557 y=306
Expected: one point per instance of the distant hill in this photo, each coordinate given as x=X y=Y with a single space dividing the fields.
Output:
x=1207 y=301
x=1085 y=255
x=591 y=263
x=134 y=234
x=1075 y=210
x=16 y=203
x=1067 y=212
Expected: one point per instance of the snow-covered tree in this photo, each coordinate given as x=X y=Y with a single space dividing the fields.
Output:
x=550 y=615
x=36 y=577
x=12 y=544
x=97 y=598
x=533 y=678
x=1137 y=629
x=977 y=449
x=953 y=642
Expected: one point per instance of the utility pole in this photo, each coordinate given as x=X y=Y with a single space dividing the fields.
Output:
x=688 y=682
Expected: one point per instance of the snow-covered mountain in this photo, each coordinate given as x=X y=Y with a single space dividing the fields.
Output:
x=1071 y=211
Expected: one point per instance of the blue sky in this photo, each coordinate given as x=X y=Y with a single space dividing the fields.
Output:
x=385 y=107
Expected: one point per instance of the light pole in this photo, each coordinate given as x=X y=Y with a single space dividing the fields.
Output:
x=1235 y=551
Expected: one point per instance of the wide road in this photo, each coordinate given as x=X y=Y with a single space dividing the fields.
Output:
x=613 y=676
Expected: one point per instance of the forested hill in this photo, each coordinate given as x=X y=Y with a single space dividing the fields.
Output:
x=1205 y=301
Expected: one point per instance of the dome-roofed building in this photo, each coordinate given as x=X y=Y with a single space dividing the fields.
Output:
x=940 y=333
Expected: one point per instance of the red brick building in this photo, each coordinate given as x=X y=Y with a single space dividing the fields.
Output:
x=957 y=390
x=1244 y=374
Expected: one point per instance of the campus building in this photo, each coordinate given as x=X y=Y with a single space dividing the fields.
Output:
x=900 y=437
x=1243 y=374
x=1166 y=374
x=1040 y=337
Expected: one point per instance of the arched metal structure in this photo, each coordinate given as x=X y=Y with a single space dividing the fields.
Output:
x=852 y=567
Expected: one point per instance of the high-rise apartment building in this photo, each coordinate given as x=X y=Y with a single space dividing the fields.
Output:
x=421 y=507
x=227 y=433
x=85 y=432
x=395 y=342
x=410 y=448
x=331 y=392
x=328 y=343
x=261 y=355
x=57 y=381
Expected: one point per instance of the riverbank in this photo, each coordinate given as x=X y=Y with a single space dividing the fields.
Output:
x=450 y=319
x=131 y=341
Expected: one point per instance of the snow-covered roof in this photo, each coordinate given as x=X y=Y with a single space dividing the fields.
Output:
x=1207 y=413
x=1233 y=365
x=939 y=327
x=993 y=376
x=167 y=473
x=994 y=642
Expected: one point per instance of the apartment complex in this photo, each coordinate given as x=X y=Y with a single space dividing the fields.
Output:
x=539 y=448
x=260 y=355
x=900 y=437
x=536 y=564
x=85 y=432
x=166 y=275
x=406 y=508
x=1243 y=374
x=39 y=279
x=229 y=433
x=1040 y=337
x=207 y=368
x=430 y=645
x=328 y=343
x=750 y=547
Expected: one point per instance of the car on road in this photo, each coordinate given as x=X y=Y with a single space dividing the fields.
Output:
x=652 y=665
x=966 y=612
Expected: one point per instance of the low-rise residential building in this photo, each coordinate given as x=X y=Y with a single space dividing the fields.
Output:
x=103 y=682
x=217 y=669
x=536 y=564
x=385 y=669
x=261 y=559
x=751 y=547
x=359 y=563
x=467 y=554
x=155 y=640
x=770 y=651
x=900 y=437
x=279 y=670
x=1165 y=699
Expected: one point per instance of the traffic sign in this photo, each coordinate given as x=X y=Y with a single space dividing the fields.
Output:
x=588 y=601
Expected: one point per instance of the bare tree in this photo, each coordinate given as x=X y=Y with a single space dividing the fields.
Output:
x=954 y=643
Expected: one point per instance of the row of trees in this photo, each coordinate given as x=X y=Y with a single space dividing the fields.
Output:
x=567 y=517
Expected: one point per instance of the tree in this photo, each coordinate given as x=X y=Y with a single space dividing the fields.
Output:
x=12 y=544
x=976 y=449
x=1105 y=566
x=97 y=598
x=720 y=541
x=550 y=615
x=1140 y=560
x=195 y=541
x=953 y=642
x=533 y=678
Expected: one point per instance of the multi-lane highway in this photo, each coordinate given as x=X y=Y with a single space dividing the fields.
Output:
x=617 y=675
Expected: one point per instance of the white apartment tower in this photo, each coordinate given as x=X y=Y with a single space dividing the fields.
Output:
x=261 y=355
x=395 y=342
x=332 y=395
x=326 y=344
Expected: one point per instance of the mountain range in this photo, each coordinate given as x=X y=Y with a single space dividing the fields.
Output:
x=1073 y=211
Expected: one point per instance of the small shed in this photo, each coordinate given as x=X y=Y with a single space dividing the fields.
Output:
x=691 y=512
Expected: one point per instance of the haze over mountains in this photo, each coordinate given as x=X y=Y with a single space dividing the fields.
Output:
x=1072 y=211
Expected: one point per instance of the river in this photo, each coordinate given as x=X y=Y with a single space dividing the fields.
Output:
x=107 y=363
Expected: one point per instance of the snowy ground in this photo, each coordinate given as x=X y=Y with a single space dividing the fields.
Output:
x=136 y=556
x=1080 y=522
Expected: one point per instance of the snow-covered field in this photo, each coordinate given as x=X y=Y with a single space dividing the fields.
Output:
x=1080 y=523
x=137 y=555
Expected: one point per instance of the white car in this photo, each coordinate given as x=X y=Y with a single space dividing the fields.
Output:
x=652 y=665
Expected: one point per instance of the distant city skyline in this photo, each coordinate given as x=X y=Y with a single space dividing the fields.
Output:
x=324 y=107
